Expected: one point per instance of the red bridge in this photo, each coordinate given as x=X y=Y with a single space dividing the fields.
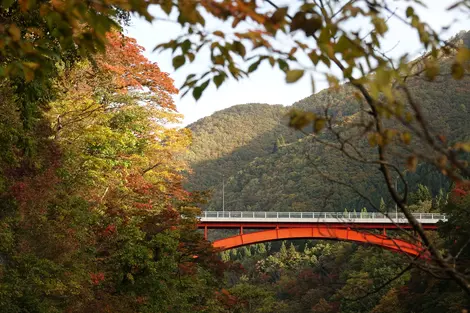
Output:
x=316 y=225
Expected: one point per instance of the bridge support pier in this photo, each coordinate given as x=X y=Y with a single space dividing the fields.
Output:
x=205 y=233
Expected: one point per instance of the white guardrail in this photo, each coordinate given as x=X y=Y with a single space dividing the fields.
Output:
x=323 y=217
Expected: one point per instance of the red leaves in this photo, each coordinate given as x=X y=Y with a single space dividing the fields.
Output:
x=109 y=230
x=461 y=190
x=96 y=278
x=143 y=206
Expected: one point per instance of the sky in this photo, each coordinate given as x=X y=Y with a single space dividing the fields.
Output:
x=267 y=84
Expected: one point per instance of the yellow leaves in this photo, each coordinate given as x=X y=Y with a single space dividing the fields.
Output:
x=294 y=75
x=431 y=68
x=408 y=117
x=342 y=44
x=409 y=11
x=380 y=26
x=462 y=146
x=375 y=139
x=319 y=124
x=31 y=65
x=314 y=57
x=300 y=119
x=333 y=82
x=462 y=57
x=458 y=71
x=406 y=138
x=381 y=139
x=383 y=76
x=28 y=70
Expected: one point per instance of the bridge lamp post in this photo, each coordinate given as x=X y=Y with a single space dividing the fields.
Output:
x=396 y=188
x=396 y=204
x=223 y=193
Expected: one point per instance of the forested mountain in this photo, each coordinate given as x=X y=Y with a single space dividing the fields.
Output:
x=268 y=166
x=230 y=139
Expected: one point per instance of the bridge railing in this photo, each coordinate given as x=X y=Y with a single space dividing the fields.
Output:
x=318 y=215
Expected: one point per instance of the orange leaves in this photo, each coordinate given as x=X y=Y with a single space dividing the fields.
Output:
x=226 y=298
x=131 y=70
x=411 y=163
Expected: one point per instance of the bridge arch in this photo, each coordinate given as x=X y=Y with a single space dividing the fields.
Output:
x=321 y=232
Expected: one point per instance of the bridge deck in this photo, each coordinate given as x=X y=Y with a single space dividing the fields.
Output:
x=220 y=219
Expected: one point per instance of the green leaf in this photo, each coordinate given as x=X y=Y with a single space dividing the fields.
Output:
x=239 y=48
x=253 y=67
x=7 y=3
x=178 y=61
x=283 y=66
x=294 y=75
x=409 y=11
x=342 y=44
x=314 y=57
x=380 y=25
x=201 y=88
x=219 y=79
x=197 y=92
x=185 y=46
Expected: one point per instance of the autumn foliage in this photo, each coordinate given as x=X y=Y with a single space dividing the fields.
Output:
x=92 y=220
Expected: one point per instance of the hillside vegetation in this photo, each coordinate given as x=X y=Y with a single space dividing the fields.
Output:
x=268 y=166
